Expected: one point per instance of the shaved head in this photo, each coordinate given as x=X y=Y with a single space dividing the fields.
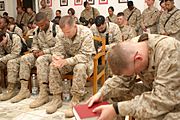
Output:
x=119 y=56
x=128 y=58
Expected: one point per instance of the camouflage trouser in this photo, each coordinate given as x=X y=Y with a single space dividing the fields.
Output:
x=13 y=70
x=79 y=78
x=153 y=29
x=42 y=64
x=176 y=35
x=123 y=93
x=173 y=115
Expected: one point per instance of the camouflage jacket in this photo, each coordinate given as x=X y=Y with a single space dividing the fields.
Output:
x=162 y=76
x=44 y=40
x=79 y=50
x=12 y=49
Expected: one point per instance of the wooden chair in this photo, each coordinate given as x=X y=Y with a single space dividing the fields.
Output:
x=99 y=69
x=131 y=118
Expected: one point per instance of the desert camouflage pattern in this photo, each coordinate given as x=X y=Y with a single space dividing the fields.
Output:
x=160 y=96
x=149 y=19
x=79 y=56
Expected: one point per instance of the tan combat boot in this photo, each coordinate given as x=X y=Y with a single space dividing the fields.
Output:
x=42 y=98
x=23 y=93
x=54 y=104
x=74 y=101
x=10 y=92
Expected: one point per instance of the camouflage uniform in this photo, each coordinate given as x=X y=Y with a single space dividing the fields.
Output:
x=48 y=11
x=90 y=14
x=112 y=18
x=78 y=53
x=16 y=29
x=10 y=54
x=21 y=18
x=162 y=20
x=44 y=42
x=172 y=27
x=114 y=36
x=113 y=31
x=41 y=41
x=160 y=80
x=30 y=18
x=149 y=19
x=134 y=19
x=127 y=32
x=12 y=49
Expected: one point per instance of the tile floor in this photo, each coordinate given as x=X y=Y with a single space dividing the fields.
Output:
x=21 y=110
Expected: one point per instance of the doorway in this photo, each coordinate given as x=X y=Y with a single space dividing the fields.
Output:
x=27 y=3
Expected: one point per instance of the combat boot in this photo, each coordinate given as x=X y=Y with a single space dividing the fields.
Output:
x=74 y=101
x=23 y=93
x=10 y=92
x=42 y=98
x=54 y=104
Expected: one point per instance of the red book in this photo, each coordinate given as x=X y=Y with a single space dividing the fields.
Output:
x=83 y=112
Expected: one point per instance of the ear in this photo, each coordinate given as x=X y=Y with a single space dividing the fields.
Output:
x=138 y=57
x=75 y=26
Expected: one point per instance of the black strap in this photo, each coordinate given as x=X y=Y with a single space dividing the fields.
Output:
x=45 y=83
x=54 y=30
x=24 y=47
x=109 y=19
x=10 y=34
x=170 y=17
x=21 y=18
x=93 y=13
x=30 y=19
x=23 y=80
x=131 y=14
x=115 y=106
x=14 y=28
x=107 y=38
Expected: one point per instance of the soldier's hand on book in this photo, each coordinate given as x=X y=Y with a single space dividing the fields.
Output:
x=95 y=98
x=107 y=112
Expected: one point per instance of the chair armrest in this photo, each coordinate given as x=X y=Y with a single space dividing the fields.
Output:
x=98 y=55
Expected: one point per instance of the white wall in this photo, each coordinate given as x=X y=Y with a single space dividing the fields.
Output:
x=10 y=6
x=119 y=7
x=101 y=7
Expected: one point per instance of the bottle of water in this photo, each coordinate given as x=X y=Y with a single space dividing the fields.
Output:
x=34 y=85
x=66 y=91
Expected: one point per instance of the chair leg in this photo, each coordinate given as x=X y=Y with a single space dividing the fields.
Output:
x=95 y=84
x=131 y=118
x=103 y=79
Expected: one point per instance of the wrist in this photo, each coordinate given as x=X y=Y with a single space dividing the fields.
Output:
x=98 y=94
x=115 y=106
